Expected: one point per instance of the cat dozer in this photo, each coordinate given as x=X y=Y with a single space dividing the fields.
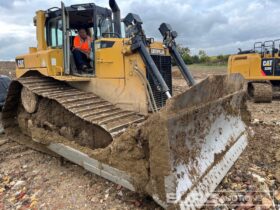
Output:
x=121 y=120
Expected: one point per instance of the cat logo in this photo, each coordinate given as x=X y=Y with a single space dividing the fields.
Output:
x=267 y=63
x=20 y=63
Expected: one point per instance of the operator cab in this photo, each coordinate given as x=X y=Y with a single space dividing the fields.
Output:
x=62 y=25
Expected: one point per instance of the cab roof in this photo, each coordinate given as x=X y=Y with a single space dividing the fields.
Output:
x=80 y=15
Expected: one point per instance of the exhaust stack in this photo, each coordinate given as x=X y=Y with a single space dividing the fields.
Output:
x=116 y=16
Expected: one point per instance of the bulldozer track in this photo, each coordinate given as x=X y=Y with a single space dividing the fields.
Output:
x=87 y=106
x=261 y=92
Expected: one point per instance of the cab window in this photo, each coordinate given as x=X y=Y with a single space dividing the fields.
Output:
x=55 y=34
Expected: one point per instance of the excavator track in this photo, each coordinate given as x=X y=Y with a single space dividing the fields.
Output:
x=85 y=106
x=276 y=92
x=261 y=92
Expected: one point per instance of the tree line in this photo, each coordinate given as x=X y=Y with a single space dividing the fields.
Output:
x=202 y=57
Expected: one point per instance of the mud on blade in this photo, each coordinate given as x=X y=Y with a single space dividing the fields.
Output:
x=195 y=141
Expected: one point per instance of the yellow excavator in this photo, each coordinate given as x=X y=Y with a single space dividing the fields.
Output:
x=261 y=67
x=121 y=120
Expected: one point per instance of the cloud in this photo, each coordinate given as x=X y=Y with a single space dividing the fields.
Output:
x=6 y=4
x=9 y=4
x=13 y=46
x=217 y=26
x=213 y=24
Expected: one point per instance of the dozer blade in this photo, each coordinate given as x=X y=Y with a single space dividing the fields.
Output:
x=195 y=140
x=178 y=155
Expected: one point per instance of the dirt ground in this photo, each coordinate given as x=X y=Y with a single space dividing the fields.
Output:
x=7 y=68
x=32 y=180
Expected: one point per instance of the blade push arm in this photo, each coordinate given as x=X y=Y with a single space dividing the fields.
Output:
x=169 y=41
x=139 y=44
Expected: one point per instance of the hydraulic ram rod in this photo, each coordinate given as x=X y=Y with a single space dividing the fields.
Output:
x=138 y=38
x=181 y=64
x=169 y=40
x=152 y=66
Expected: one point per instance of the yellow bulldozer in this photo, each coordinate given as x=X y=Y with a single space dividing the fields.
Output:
x=261 y=67
x=120 y=120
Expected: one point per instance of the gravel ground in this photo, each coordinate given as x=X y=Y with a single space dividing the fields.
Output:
x=32 y=180
x=8 y=68
x=29 y=179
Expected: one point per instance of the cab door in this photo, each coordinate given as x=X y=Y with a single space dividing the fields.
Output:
x=66 y=41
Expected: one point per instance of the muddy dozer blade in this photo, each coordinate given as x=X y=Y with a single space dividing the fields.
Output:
x=195 y=140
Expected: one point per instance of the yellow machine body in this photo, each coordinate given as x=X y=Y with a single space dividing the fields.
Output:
x=252 y=66
x=115 y=78
x=261 y=68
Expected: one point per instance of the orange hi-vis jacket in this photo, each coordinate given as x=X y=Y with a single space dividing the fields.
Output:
x=84 y=45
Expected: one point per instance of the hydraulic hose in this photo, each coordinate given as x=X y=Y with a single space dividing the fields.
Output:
x=148 y=89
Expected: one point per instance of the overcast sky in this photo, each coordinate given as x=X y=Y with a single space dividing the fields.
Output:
x=216 y=26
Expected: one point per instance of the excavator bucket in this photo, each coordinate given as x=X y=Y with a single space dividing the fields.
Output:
x=178 y=155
